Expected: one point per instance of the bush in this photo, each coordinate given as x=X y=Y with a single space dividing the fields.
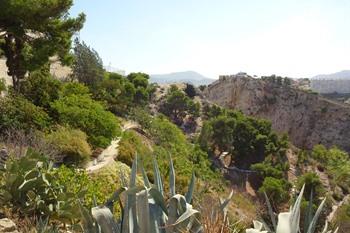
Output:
x=190 y=90
x=71 y=144
x=130 y=145
x=276 y=189
x=41 y=88
x=312 y=183
x=81 y=112
x=29 y=187
x=17 y=112
x=2 y=85
x=178 y=105
x=74 y=88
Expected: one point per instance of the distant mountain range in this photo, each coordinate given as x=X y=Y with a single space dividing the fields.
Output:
x=181 y=77
x=345 y=74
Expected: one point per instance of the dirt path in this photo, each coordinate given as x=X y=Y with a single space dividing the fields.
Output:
x=111 y=152
x=106 y=157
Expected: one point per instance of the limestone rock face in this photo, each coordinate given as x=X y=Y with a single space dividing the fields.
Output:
x=6 y=225
x=309 y=119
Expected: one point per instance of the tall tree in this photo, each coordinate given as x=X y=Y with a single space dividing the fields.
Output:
x=88 y=66
x=33 y=31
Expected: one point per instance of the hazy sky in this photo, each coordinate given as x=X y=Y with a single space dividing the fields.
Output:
x=290 y=38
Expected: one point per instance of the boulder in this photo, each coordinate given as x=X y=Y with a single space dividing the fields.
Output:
x=8 y=226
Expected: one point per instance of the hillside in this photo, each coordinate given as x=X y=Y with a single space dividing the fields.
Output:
x=181 y=77
x=309 y=119
x=345 y=74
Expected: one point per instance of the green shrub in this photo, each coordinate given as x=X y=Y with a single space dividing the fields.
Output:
x=41 y=88
x=178 y=105
x=169 y=139
x=2 y=85
x=71 y=145
x=276 y=189
x=342 y=218
x=130 y=145
x=81 y=112
x=29 y=187
x=74 y=88
x=312 y=184
x=17 y=112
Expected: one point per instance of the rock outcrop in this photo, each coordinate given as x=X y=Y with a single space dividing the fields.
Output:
x=6 y=225
x=309 y=119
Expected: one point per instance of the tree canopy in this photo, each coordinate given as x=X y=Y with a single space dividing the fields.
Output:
x=33 y=31
x=88 y=66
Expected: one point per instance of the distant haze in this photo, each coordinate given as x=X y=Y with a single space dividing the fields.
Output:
x=181 y=77
x=345 y=74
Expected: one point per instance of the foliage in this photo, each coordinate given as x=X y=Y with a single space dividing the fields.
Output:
x=169 y=139
x=31 y=33
x=17 y=112
x=276 y=189
x=342 y=218
x=71 y=144
x=28 y=185
x=178 y=105
x=336 y=162
x=190 y=90
x=2 y=85
x=81 y=112
x=117 y=92
x=278 y=80
x=74 y=88
x=312 y=184
x=141 y=84
x=130 y=145
x=87 y=66
x=249 y=140
x=146 y=209
x=82 y=185
x=41 y=88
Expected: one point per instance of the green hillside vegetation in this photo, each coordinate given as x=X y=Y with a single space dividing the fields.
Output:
x=162 y=177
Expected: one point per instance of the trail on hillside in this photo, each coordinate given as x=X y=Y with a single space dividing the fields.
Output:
x=109 y=154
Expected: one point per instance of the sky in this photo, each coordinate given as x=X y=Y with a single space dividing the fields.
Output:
x=294 y=38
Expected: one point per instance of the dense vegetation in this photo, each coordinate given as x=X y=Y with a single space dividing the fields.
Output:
x=51 y=130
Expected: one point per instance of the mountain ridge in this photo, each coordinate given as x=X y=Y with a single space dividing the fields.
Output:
x=341 y=75
x=192 y=77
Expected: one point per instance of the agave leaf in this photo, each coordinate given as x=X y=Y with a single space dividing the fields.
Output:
x=87 y=220
x=224 y=204
x=312 y=225
x=158 y=199
x=115 y=197
x=131 y=200
x=189 y=193
x=173 y=213
x=271 y=213
x=104 y=217
x=295 y=213
x=143 y=211
x=145 y=177
x=284 y=223
x=156 y=217
x=133 y=174
x=308 y=214
x=171 y=177
x=157 y=178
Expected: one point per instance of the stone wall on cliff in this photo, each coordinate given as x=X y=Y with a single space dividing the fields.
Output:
x=309 y=119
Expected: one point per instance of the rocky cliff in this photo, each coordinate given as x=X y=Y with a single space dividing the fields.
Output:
x=308 y=118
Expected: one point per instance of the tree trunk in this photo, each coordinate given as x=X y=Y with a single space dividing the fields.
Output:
x=14 y=59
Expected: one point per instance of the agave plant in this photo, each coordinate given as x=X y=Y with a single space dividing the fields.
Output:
x=288 y=222
x=145 y=209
